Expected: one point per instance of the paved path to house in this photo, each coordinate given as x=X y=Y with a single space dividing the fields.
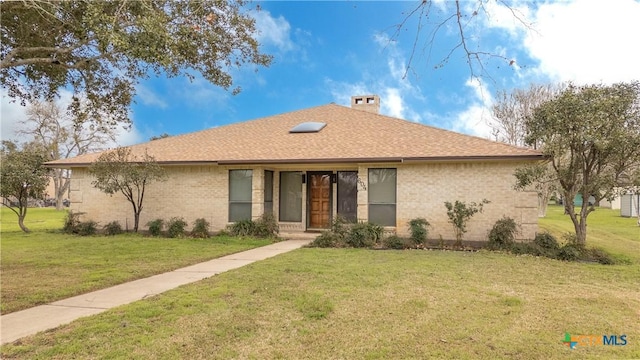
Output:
x=31 y=321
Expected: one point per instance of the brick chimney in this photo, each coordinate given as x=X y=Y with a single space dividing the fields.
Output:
x=370 y=103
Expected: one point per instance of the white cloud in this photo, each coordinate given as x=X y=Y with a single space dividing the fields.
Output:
x=475 y=119
x=581 y=41
x=342 y=92
x=388 y=81
x=150 y=98
x=126 y=138
x=273 y=31
x=393 y=104
x=12 y=113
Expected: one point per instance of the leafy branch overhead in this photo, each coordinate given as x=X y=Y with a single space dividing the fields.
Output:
x=100 y=49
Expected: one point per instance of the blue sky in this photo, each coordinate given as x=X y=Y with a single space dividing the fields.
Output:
x=327 y=51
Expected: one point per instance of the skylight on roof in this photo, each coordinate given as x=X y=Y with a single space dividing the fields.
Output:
x=308 y=127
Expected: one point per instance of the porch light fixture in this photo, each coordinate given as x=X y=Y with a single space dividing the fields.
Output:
x=308 y=127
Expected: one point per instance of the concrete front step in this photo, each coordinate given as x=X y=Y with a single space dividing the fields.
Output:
x=299 y=235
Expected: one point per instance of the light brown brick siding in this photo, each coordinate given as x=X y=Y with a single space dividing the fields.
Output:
x=423 y=190
x=193 y=192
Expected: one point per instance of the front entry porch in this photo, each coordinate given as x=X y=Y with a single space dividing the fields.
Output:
x=304 y=200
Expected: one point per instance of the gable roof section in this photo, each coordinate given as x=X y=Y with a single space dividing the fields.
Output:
x=349 y=136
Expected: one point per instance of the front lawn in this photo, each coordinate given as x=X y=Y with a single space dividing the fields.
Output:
x=46 y=265
x=605 y=229
x=367 y=304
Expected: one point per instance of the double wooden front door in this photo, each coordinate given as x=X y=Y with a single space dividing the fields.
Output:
x=319 y=190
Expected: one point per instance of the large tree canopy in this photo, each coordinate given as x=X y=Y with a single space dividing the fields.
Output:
x=591 y=135
x=100 y=49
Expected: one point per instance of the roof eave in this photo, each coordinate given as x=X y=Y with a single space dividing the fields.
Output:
x=528 y=157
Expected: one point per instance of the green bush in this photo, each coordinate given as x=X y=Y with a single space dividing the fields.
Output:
x=112 y=228
x=546 y=245
x=570 y=252
x=546 y=241
x=339 y=227
x=87 y=228
x=175 y=227
x=242 y=228
x=459 y=214
x=71 y=222
x=155 y=227
x=327 y=239
x=397 y=243
x=364 y=234
x=521 y=248
x=503 y=234
x=266 y=227
x=418 y=230
x=200 y=228
x=600 y=256
x=73 y=225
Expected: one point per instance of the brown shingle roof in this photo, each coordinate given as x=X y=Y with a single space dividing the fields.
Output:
x=350 y=135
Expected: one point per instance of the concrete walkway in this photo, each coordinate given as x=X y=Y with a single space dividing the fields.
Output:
x=31 y=321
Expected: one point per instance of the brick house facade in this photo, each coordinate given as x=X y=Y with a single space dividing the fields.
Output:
x=358 y=164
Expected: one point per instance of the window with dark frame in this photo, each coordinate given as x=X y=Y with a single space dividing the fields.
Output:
x=348 y=195
x=240 y=191
x=268 y=192
x=382 y=196
x=290 y=196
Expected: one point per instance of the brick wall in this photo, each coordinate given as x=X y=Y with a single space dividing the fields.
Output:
x=423 y=189
x=195 y=192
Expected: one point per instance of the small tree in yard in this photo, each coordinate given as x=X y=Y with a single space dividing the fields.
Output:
x=459 y=215
x=22 y=177
x=592 y=140
x=120 y=171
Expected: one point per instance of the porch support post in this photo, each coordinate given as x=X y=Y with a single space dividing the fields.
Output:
x=363 y=195
x=257 y=193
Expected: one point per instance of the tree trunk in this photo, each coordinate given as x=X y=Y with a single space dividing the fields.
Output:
x=578 y=220
x=136 y=220
x=59 y=200
x=543 y=202
x=62 y=188
x=581 y=231
x=21 y=223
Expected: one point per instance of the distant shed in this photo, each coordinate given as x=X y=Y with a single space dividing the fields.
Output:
x=630 y=205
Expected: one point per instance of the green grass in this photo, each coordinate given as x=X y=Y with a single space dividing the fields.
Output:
x=605 y=229
x=46 y=265
x=38 y=219
x=368 y=304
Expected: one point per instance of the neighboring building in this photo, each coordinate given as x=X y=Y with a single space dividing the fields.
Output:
x=310 y=165
x=614 y=204
x=630 y=204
